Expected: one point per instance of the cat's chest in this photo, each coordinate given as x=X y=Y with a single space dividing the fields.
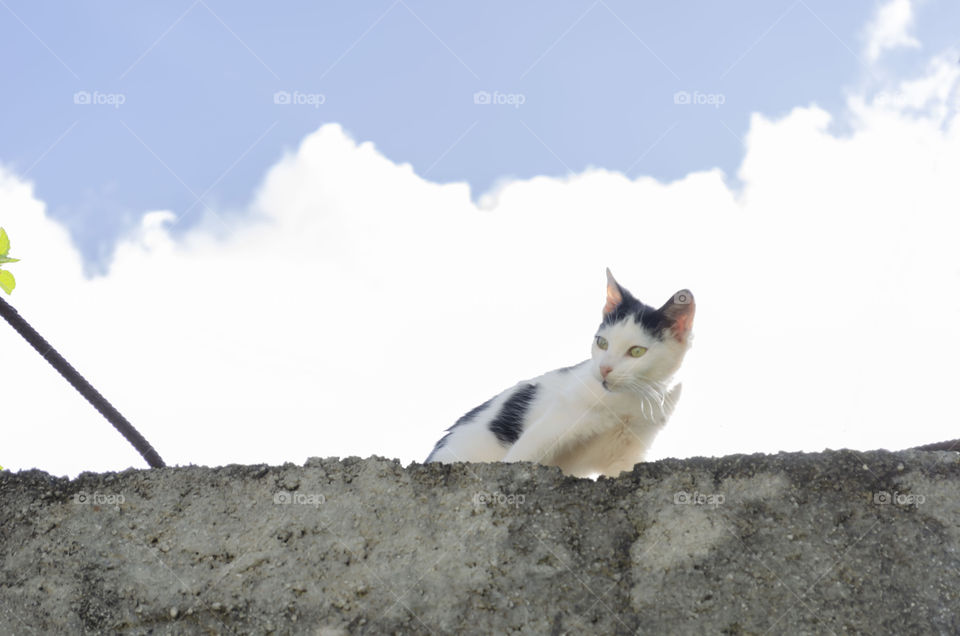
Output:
x=618 y=443
x=588 y=408
x=619 y=412
x=614 y=421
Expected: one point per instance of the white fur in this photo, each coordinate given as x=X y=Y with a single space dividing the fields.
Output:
x=577 y=424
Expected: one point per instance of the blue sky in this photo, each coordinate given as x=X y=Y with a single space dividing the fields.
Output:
x=597 y=80
x=206 y=195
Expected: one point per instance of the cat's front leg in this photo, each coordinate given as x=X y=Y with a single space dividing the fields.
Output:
x=540 y=442
x=532 y=447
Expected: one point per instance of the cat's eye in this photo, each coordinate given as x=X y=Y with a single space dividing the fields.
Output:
x=636 y=352
x=602 y=342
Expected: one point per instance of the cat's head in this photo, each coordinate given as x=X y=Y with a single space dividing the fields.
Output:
x=637 y=343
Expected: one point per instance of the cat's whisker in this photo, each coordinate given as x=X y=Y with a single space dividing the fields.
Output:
x=651 y=396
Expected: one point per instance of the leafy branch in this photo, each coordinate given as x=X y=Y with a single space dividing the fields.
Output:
x=7 y=281
x=46 y=351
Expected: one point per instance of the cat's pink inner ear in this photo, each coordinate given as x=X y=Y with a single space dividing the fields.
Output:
x=683 y=324
x=614 y=297
x=681 y=313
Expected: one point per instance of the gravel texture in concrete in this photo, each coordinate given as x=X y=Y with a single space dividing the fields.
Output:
x=834 y=542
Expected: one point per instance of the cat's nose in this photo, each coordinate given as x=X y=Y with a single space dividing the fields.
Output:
x=605 y=371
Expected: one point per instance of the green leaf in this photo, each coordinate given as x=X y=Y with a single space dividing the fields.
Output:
x=7 y=259
x=7 y=282
x=4 y=242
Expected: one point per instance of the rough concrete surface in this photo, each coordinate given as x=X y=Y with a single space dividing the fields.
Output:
x=836 y=542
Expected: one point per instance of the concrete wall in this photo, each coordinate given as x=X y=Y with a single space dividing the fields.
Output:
x=836 y=542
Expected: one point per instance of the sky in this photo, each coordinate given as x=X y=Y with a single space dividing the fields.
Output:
x=182 y=94
x=330 y=230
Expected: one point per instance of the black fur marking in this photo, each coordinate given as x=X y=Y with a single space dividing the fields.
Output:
x=508 y=424
x=467 y=417
x=649 y=317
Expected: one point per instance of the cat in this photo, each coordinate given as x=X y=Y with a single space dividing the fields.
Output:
x=596 y=417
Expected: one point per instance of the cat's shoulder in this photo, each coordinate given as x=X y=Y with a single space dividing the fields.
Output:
x=564 y=377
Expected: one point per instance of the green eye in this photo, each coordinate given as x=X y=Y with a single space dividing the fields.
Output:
x=636 y=352
x=602 y=342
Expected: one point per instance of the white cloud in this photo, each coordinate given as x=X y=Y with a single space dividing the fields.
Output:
x=359 y=309
x=890 y=29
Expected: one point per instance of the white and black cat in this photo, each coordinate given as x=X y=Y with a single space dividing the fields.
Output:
x=599 y=416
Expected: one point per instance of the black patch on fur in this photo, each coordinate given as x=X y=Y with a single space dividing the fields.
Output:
x=466 y=417
x=649 y=317
x=508 y=424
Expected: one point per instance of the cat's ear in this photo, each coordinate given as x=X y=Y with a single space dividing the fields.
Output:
x=678 y=312
x=614 y=294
